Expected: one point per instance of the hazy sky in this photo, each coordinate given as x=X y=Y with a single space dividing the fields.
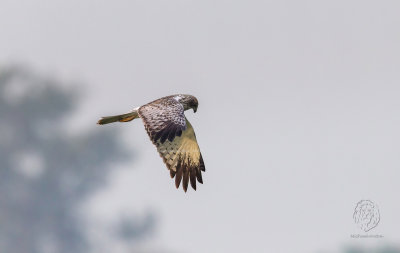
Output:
x=298 y=117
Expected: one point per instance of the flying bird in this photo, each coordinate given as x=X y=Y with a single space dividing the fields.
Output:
x=172 y=134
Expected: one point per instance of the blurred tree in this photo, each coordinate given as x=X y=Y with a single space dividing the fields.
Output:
x=45 y=173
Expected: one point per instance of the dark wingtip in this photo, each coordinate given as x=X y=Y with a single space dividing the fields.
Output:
x=199 y=177
x=187 y=172
x=185 y=180
x=193 y=178
x=178 y=178
x=202 y=166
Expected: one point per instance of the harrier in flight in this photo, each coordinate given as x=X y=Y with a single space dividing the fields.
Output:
x=172 y=134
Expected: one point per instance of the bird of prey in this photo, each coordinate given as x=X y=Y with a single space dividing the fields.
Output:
x=172 y=134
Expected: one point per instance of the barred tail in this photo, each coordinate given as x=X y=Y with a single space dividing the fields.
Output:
x=120 y=118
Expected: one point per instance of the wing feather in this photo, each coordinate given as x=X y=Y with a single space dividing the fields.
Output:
x=175 y=140
x=163 y=119
x=183 y=158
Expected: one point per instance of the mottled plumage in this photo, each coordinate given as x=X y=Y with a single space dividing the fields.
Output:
x=172 y=134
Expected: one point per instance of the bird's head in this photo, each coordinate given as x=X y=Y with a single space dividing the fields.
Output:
x=188 y=102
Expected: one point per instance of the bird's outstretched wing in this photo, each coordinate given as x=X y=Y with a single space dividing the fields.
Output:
x=175 y=140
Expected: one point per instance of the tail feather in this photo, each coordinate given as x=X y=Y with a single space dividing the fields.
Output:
x=120 y=118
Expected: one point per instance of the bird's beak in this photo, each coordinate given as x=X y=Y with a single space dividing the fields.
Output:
x=195 y=109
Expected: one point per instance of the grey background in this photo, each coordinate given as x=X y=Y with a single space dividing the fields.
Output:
x=298 y=117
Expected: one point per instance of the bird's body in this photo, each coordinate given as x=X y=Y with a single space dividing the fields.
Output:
x=172 y=134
